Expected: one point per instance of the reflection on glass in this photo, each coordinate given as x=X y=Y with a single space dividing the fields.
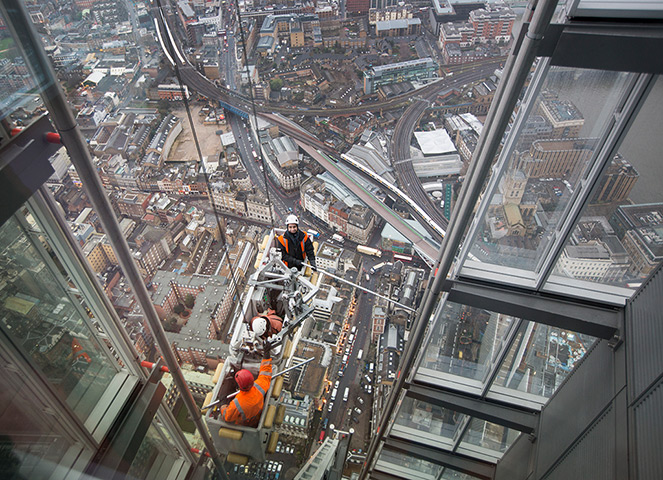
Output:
x=552 y=151
x=416 y=416
x=450 y=474
x=156 y=453
x=540 y=359
x=401 y=463
x=39 y=316
x=619 y=238
x=405 y=466
x=31 y=443
x=465 y=341
x=18 y=94
x=491 y=439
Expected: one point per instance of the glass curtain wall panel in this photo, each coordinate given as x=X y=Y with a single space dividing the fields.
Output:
x=50 y=326
x=553 y=142
x=485 y=440
x=405 y=466
x=465 y=342
x=618 y=239
x=34 y=443
x=426 y=423
x=157 y=453
x=538 y=361
x=411 y=468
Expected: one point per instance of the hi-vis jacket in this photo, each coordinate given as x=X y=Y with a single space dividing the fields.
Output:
x=246 y=407
x=295 y=248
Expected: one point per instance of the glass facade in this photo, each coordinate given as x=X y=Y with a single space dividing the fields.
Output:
x=424 y=422
x=397 y=463
x=486 y=440
x=538 y=361
x=465 y=342
x=47 y=324
x=552 y=144
x=617 y=239
x=34 y=440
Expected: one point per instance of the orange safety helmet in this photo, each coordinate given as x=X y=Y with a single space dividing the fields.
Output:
x=244 y=380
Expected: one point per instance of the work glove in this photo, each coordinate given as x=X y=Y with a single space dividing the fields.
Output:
x=266 y=350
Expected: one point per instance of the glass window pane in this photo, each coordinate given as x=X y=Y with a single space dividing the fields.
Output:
x=18 y=92
x=426 y=421
x=543 y=168
x=539 y=360
x=618 y=240
x=32 y=442
x=487 y=440
x=405 y=466
x=464 y=342
x=156 y=453
x=47 y=324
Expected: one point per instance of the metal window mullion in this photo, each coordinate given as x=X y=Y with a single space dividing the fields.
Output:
x=518 y=329
x=169 y=423
x=610 y=144
x=514 y=329
x=50 y=219
x=461 y=431
x=502 y=163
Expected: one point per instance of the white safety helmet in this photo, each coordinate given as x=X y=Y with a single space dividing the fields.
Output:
x=259 y=325
x=292 y=219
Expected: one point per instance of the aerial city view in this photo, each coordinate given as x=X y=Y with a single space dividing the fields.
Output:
x=283 y=176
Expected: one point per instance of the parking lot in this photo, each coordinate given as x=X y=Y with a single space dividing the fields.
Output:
x=184 y=148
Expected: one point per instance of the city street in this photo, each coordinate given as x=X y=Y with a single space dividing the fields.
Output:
x=343 y=415
x=246 y=146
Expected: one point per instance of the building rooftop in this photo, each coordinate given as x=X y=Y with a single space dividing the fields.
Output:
x=435 y=142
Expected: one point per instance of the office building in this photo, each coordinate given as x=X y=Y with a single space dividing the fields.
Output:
x=411 y=70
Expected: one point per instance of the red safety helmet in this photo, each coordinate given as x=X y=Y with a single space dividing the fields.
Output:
x=244 y=380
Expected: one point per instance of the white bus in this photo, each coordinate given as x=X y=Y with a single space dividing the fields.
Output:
x=333 y=395
x=360 y=354
x=346 y=394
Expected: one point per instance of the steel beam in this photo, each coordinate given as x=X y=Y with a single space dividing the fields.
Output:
x=575 y=316
x=522 y=420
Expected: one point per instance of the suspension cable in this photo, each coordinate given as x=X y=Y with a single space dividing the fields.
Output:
x=253 y=107
x=224 y=243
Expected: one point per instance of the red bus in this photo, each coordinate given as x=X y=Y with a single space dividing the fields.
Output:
x=322 y=436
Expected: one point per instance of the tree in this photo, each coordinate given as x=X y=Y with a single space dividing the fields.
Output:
x=276 y=84
x=179 y=308
x=171 y=325
x=189 y=300
x=163 y=107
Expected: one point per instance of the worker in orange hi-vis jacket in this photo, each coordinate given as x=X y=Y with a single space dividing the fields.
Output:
x=295 y=245
x=246 y=407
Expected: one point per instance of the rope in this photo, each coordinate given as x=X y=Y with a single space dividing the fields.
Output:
x=224 y=242
x=253 y=108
